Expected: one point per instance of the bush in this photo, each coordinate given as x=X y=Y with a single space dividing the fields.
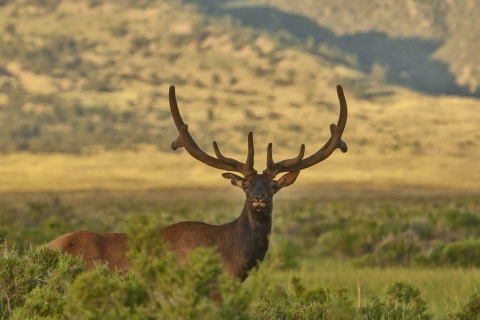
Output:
x=317 y=303
x=392 y=251
x=67 y=125
x=34 y=283
x=344 y=242
x=286 y=254
x=465 y=224
x=158 y=287
x=462 y=253
x=46 y=283
x=120 y=29
x=471 y=310
x=38 y=222
x=403 y=302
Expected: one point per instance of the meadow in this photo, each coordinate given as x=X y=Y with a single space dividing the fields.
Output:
x=362 y=243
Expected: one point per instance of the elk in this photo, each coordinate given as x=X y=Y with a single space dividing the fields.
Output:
x=241 y=243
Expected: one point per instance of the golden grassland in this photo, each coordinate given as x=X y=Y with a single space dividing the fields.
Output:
x=392 y=142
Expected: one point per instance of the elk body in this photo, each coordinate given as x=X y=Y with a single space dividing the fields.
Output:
x=242 y=242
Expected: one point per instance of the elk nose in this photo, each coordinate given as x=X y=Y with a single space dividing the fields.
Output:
x=259 y=195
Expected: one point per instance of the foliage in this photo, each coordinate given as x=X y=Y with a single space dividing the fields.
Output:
x=157 y=286
x=470 y=311
x=403 y=302
x=286 y=254
x=387 y=233
x=62 y=125
x=392 y=251
x=34 y=283
x=39 y=221
x=462 y=253
x=315 y=303
x=188 y=291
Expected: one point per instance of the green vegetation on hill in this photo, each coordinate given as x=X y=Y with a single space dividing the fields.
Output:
x=451 y=27
x=81 y=74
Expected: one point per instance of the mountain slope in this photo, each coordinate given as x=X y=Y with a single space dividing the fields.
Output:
x=85 y=82
x=420 y=42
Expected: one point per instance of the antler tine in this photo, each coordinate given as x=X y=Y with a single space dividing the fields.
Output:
x=177 y=119
x=275 y=168
x=342 y=121
x=333 y=142
x=342 y=118
x=185 y=140
x=250 y=156
x=199 y=154
x=244 y=168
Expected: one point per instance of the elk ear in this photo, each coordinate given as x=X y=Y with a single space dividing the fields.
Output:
x=236 y=180
x=287 y=179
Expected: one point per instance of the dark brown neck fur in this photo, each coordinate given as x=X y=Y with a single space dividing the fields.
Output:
x=248 y=240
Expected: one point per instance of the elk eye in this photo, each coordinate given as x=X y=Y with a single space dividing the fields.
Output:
x=244 y=186
x=275 y=188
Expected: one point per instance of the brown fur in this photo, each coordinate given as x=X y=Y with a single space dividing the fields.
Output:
x=241 y=243
x=94 y=248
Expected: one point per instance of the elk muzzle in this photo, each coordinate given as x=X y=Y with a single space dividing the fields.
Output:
x=259 y=201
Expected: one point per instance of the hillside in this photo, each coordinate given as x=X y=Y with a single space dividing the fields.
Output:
x=76 y=76
x=430 y=46
x=83 y=102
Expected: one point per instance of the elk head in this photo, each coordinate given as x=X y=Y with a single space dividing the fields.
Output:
x=259 y=188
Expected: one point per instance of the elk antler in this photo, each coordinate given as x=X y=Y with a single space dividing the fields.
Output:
x=298 y=163
x=221 y=162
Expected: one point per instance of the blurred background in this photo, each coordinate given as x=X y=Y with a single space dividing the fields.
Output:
x=84 y=90
x=85 y=128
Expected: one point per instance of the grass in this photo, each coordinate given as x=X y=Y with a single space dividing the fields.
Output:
x=444 y=289
x=149 y=168
x=297 y=216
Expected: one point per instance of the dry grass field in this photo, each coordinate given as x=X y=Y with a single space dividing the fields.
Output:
x=393 y=142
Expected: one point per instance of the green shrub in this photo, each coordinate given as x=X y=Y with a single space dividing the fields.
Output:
x=403 y=302
x=286 y=254
x=344 y=242
x=466 y=224
x=33 y=283
x=392 y=251
x=158 y=287
x=462 y=253
x=471 y=310
x=316 y=303
x=38 y=222
x=99 y=295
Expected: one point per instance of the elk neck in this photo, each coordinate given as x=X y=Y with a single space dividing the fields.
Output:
x=252 y=230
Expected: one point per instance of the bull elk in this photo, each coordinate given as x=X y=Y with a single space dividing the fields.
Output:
x=242 y=242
